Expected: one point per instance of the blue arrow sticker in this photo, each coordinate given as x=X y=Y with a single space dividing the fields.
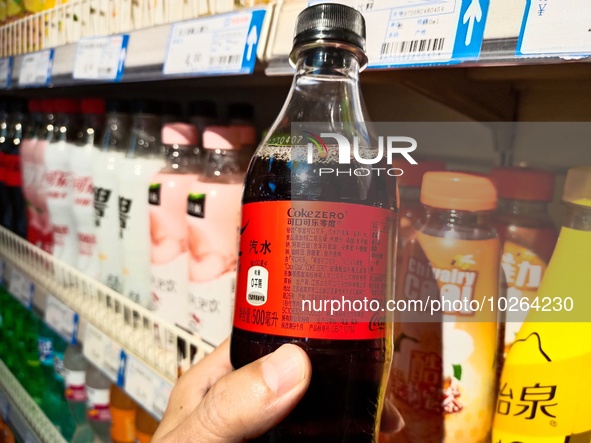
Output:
x=252 y=40
x=470 y=30
x=121 y=370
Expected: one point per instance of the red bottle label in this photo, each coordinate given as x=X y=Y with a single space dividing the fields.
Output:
x=12 y=170
x=299 y=260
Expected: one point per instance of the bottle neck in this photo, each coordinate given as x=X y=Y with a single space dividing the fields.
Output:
x=181 y=159
x=91 y=127
x=326 y=61
x=463 y=222
x=145 y=136
x=577 y=217
x=523 y=207
x=116 y=136
x=223 y=165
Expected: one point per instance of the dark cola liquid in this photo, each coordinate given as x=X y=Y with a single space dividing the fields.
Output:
x=347 y=375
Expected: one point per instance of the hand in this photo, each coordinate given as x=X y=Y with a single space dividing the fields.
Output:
x=212 y=403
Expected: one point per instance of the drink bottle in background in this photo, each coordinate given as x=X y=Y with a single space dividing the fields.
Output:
x=168 y=222
x=108 y=157
x=443 y=372
x=123 y=413
x=75 y=392
x=409 y=186
x=4 y=203
x=34 y=382
x=58 y=180
x=144 y=159
x=544 y=386
x=247 y=142
x=28 y=168
x=145 y=426
x=15 y=214
x=81 y=165
x=287 y=225
x=68 y=423
x=213 y=216
x=527 y=233
x=98 y=388
x=46 y=135
x=202 y=114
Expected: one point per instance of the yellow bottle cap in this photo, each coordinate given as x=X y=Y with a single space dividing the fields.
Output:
x=577 y=187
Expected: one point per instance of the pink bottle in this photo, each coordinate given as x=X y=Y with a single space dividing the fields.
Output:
x=247 y=141
x=28 y=168
x=168 y=222
x=213 y=215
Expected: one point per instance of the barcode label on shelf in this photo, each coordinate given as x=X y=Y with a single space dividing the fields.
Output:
x=103 y=352
x=35 y=68
x=101 y=58
x=146 y=387
x=21 y=287
x=61 y=319
x=5 y=72
x=551 y=29
x=418 y=32
x=224 y=44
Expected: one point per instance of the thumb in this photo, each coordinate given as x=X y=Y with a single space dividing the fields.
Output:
x=250 y=401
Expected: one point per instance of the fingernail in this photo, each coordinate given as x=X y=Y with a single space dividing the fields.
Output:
x=283 y=369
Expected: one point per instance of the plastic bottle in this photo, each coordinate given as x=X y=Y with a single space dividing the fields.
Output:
x=144 y=159
x=98 y=412
x=213 y=217
x=168 y=223
x=46 y=135
x=81 y=165
x=4 y=202
x=123 y=413
x=66 y=419
x=444 y=361
x=282 y=189
x=29 y=169
x=202 y=114
x=247 y=141
x=75 y=392
x=145 y=426
x=527 y=233
x=58 y=181
x=14 y=214
x=544 y=388
x=109 y=155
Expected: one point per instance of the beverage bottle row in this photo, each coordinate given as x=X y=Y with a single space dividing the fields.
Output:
x=79 y=400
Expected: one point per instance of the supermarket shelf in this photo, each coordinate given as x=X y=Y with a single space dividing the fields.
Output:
x=22 y=413
x=137 y=350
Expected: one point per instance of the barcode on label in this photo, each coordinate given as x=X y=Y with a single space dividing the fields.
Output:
x=105 y=70
x=225 y=59
x=412 y=47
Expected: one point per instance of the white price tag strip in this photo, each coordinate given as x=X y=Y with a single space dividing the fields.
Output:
x=21 y=287
x=103 y=352
x=418 y=32
x=36 y=68
x=224 y=44
x=61 y=319
x=5 y=72
x=146 y=387
x=551 y=28
x=101 y=58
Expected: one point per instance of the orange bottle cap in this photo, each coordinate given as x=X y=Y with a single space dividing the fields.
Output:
x=523 y=183
x=413 y=174
x=458 y=190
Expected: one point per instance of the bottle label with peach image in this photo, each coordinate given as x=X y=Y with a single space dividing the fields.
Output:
x=169 y=260
x=213 y=215
x=443 y=370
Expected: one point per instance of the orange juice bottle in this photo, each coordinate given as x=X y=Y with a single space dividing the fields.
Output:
x=545 y=386
x=123 y=413
x=145 y=426
x=445 y=347
x=527 y=233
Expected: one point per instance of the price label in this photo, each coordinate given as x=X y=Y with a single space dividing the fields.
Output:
x=555 y=29
x=5 y=72
x=36 y=68
x=103 y=352
x=61 y=319
x=101 y=58
x=22 y=288
x=224 y=44
x=146 y=387
x=418 y=32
